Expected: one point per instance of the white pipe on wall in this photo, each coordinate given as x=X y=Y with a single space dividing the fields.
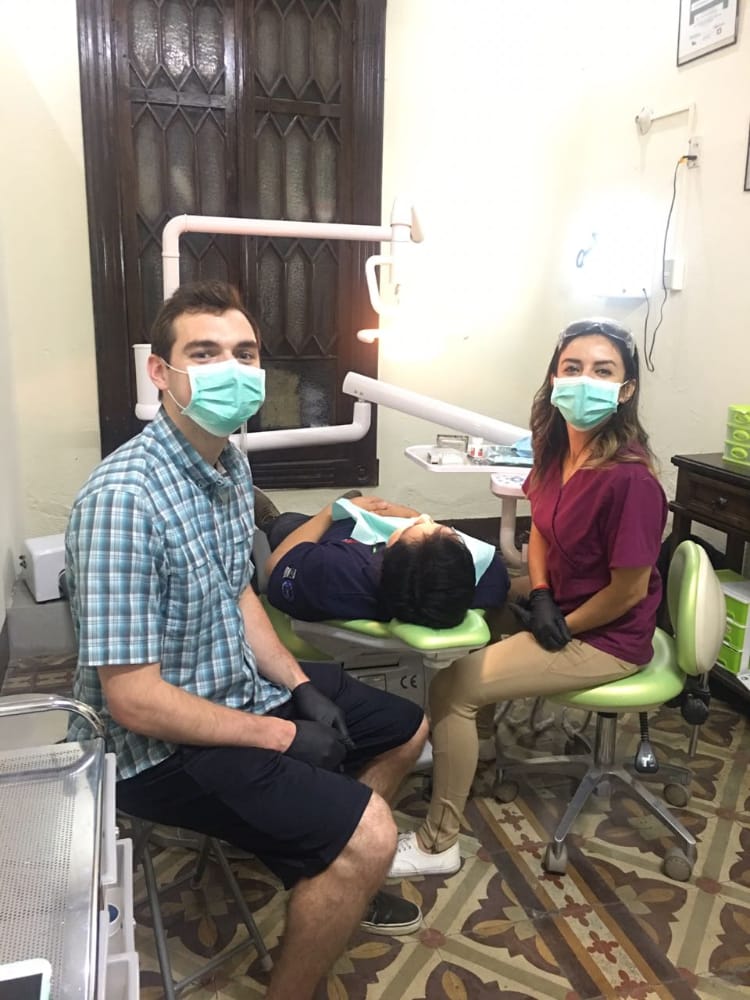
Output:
x=180 y=224
x=306 y=437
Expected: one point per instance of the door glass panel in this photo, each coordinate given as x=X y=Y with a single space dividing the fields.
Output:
x=181 y=187
x=175 y=39
x=144 y=41
x=299 y=395
x=209 y=45
x=268 y=54
x=324 y=173
x=326 y=35
x=296 y=189
x=296 y=49
x=212 y=175
x=148 y=142
x=268 y=157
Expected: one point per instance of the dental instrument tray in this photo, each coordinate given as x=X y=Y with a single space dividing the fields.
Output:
x=497 y=454
x=50 y=827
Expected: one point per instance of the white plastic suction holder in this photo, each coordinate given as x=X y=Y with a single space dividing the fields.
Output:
x=377 y=260
x=643 y=119
x=647 y=116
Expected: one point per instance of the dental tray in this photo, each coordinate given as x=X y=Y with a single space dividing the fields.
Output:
x=50 y=814
x=496 y=454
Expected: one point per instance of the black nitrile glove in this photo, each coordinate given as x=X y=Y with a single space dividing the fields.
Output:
x=311 y=704
x=317 y=744
x=548 y=624
x=522 y=610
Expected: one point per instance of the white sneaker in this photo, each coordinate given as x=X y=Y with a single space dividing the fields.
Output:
x=411 y=860
x=487 y=749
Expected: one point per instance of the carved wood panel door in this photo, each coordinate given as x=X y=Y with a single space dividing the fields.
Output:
x=252 y=108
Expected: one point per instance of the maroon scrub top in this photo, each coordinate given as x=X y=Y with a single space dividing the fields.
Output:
x=603 y=519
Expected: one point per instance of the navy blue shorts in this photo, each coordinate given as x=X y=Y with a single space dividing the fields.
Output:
x=295 y=817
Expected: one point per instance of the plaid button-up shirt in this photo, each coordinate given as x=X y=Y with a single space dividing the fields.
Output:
x=158 y=552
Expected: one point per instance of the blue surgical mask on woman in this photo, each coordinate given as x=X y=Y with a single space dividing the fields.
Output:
x=584 y=401
x=223 y=394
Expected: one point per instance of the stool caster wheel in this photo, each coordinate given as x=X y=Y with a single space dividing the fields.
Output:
x=556 y=863
x=505 y=791
x=677 y=866
x=266 y=963
x=677 y=795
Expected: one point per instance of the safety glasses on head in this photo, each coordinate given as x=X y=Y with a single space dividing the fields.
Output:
x=606 y=327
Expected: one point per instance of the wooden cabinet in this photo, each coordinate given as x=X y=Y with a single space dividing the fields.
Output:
x=714 y=493
x=717 y=494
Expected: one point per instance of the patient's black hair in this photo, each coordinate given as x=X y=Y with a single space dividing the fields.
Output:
x=428 y=582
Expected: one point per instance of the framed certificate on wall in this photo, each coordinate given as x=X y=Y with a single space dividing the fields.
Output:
x=705 y=26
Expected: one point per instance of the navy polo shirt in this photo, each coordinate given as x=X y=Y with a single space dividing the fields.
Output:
x=337 y=577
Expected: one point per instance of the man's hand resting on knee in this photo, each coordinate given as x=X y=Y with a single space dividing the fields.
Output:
x=317 y=744
x=309 y=703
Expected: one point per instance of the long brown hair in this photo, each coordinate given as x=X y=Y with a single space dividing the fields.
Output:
x=621 y=439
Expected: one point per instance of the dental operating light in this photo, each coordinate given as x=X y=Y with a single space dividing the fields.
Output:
x=436 y=411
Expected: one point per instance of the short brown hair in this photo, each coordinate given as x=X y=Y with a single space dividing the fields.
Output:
x=214 y=297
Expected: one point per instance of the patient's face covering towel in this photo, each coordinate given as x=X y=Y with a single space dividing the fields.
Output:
x=371 y=528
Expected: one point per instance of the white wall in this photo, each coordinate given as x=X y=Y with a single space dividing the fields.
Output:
x=48 y=406
x=513 y=127
x=9 y=498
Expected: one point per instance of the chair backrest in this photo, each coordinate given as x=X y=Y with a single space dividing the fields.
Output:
x=697 y=608
x=261 y=552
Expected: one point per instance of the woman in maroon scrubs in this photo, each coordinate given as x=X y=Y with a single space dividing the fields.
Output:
x=588 y=606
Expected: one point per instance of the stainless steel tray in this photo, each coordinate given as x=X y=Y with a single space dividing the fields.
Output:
x=50 y=835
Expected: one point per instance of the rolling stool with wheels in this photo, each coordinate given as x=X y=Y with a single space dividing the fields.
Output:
x=698 y=614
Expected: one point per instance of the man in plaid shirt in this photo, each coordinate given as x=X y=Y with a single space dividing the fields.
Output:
x=215 y=726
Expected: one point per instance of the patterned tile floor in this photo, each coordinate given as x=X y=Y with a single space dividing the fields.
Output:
x=613 y=926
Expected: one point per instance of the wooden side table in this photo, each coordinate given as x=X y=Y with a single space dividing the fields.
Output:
x=714 y=493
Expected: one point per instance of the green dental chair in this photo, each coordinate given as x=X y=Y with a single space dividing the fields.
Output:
x=392 y=655
x=395 y=656
x=698 y=614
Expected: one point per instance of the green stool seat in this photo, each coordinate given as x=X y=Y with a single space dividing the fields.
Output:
x=657 y=682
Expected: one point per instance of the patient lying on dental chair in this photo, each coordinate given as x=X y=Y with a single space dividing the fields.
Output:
x=364 y=557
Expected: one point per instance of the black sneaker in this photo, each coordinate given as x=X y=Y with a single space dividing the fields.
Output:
x=266 y=510
x=391 y=915
x=350 y=495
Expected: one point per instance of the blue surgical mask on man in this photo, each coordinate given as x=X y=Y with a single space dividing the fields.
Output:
x=223 y=394
x=585 y=402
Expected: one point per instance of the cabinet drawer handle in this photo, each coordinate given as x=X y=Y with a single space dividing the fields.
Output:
x=720 y=502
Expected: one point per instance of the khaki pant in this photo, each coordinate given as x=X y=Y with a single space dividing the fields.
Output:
x=516 y=667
